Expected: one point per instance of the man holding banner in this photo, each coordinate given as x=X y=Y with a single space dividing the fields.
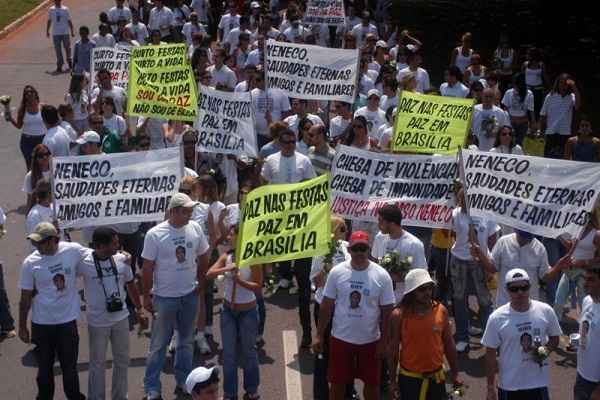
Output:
x=289 y=166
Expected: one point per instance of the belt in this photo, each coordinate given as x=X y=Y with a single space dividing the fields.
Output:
x=438 y=375
x=31 y=136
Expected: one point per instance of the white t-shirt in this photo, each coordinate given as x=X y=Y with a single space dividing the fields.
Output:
x=386 y=102
x=174 y=251
x=558 y=111
x=360 y=32
x=366 y=84
x=54 y=279
x=460 y=224
x=486 y=122
x=97 y=315
x=407 y=245
x=514 y=105
x=38 y=213
x=358 y=297
x=228 y=22
x=58 y=141
x=107 y=40
x=375 y=119
x=189 y=29
x=421 y=76
x=139 y=32
x=511 y=331
x=276 y=102
x=117 y=93
x=588 y=362
x=200 y=6
x=27 y=181
x=279 y=169
x=507 y=254
x=341 y=254
x=80 y=110
x=161 y=19
x=59 y=17
x=506 y=150
x=154 y=130
x=233 y=38
x=338 y=125
x=294 y=120
x=224 y=76
x=458 y=90
x=115 y=124
x=116 y=14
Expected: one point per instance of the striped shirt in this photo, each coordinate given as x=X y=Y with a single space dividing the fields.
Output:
x=321 y=160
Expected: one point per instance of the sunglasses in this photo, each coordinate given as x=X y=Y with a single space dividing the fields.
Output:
x=515 y=289
x=41 y=156
x=361 y=248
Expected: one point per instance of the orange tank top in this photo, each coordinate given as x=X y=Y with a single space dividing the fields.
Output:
x=422 y=341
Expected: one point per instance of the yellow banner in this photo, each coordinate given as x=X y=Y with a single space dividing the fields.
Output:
x=285 y=222
x=161 y=83
x=431 y=124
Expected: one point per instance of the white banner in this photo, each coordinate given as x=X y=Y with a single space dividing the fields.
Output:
x=225 y=122
x=544 y=196
x=312 y=72
x=324 y=12
x=114 y=188
x=115 y=60
x=363 y=181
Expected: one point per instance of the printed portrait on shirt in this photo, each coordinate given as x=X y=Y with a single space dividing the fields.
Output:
x=526 y=342
x=585 y=330
x=355 y=297
x=180 y=254
x=59 y=282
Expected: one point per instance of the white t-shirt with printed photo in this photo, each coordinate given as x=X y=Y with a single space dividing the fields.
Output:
x=406 y=245
x=588 y=362
x=54 y=279
x=358 y=297
x=294 y=169
x=96 y=299
x=273 y=100
x=59 y=18
x=460 y=225
x=174 y=251
x=486 y=122
x=375 y=119
x=341 y=254
x=514 y=334
x=507 y=254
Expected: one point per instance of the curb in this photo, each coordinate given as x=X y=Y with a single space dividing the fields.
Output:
x=13 y=26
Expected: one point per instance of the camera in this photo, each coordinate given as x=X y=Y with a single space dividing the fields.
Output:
x=114 y=304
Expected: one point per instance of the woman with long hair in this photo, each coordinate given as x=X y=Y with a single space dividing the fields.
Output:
x=506 y=142
x=475 y=71
x=535 y=78
x=358 y=134
x=519 y=102
x=239 y=320
x=585 y=146
x=29 y=119
x=78 y=98
x=461 y=55
x=303 y=127
x=39 y=169
x=115 y=127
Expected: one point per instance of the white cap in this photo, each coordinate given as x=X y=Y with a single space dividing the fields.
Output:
x=516 y=275
x=381 y=43
x=254 y=4
x=199 y=375
x=373 y=92
x=89 y=137
x=181 y=200
x=415 y=278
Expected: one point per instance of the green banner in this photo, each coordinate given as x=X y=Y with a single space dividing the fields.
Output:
x=285 y=222
x=431 y=124
x=161 y=83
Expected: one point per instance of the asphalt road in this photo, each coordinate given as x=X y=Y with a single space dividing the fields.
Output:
x=25 y=58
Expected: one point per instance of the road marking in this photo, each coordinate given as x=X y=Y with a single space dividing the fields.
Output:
x=293 y=381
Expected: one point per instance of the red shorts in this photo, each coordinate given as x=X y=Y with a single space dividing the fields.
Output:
x=349 y=361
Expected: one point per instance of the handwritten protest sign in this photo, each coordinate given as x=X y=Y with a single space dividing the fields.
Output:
x=431 y=124
x=312 y=72
x=324 y=12
x=362 y=182
x=115 y=60
x=225 y=122
x=114 y=188
x=547 y=197
x=285 y=222
x=161 y=83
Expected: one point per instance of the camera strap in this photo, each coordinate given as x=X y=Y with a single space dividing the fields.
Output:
x=113 y=267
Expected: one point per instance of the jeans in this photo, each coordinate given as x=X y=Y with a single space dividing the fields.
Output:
x=60 y=341
x=262 y=314
x=302 y=273
x=562 y=291
x=65 y=41
x=554 y=146
x=520 y=131
x=27 y=143
x=320 y=385
x=460 y=271
x=583 y=388
x=171 y=313
x=527 y=394
x=238 y=331
x=209 y=299
x=7 y=323
x=118 y=335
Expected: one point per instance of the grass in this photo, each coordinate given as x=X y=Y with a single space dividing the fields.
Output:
x=13 y=9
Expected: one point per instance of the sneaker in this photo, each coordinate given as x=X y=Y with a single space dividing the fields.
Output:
x=202 y=344
x=208 y=331
x=260 y=342
x=283 y=284
x=152 y=396
x=475 y=331
x=173 y=343
x=461 y=347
